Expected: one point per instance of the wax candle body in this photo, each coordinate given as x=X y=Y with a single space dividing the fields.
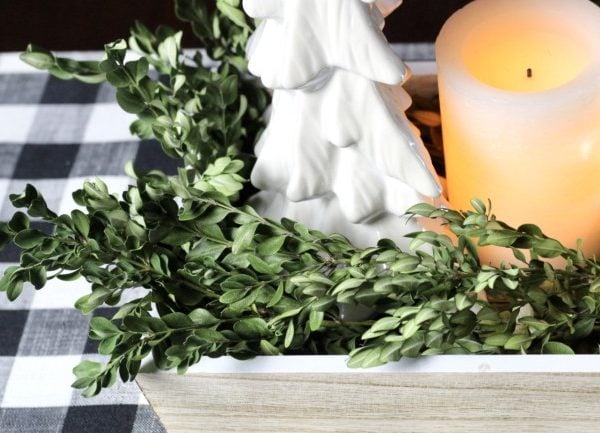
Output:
x=520 y=96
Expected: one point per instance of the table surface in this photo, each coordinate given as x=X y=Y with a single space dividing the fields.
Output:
x=54 y=134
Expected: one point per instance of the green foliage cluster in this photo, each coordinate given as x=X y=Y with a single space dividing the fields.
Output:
x=222 y=280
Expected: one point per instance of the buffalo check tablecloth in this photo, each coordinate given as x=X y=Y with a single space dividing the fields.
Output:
x=55 y=134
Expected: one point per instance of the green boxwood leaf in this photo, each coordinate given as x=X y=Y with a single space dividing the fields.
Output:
x=260 y=266
x=14 y=290
x=19 y=222
x=118 y=77
x=251 y=329
x=38 y=277
x=557 y=348
x=28 y=239
x=422 y=209
x=88 y=368
x=169 y=49
x=81 y=222
x=518 y=342
x=289 y=334
x=479 y=206
x=88 y=303
x=108 y=345
x=405 y=264
x=243 y=237
x=229 y=89
x=412 y=347
x=233 y=13
x=349 y=284
x=103 y=328
x=245 y=303
x=138 y=69
x=316 y=320
x=177 y=321
x=38 y=58
x=548 y=248
x=136 y=324
x=231 y=296
x=426 y=314
x=391 y=351
x=386 y=324
x=202 y=317
x=368 y=357
x=271 y=246
x=130 y=102
x=10 y=275
x=268 y=349
x=500 y=238
x=277 y=296
x=531 y=230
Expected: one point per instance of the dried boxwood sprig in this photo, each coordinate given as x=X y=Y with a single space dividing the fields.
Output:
x=220 y=279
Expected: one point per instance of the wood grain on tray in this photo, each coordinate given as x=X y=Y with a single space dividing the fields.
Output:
x=377 y=403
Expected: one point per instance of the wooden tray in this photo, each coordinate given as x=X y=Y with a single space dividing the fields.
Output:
x=528 y=394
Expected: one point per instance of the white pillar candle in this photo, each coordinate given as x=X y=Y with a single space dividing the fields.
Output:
x=520 y=97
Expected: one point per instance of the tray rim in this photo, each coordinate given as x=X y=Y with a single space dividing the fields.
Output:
x=439 y=364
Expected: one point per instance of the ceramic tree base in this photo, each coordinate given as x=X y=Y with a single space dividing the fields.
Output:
x=500 y=394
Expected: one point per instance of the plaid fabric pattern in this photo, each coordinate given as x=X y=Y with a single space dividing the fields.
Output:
x=54 y=134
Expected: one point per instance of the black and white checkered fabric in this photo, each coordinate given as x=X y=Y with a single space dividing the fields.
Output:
x=55 y=134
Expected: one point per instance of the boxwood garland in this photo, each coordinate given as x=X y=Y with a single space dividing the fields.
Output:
x=222 y=280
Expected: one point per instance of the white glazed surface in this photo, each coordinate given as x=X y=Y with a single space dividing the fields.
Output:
x=345 y=139
x=300 y=39
x=339 y=154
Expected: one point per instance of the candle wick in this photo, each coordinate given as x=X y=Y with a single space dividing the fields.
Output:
x=529 y=73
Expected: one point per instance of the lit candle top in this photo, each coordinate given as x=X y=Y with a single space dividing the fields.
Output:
x=524 y=46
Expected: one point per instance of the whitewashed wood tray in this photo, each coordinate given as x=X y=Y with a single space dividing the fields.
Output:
x=529 y=394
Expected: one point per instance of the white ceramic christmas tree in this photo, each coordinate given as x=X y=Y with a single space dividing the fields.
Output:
x=339 y=154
